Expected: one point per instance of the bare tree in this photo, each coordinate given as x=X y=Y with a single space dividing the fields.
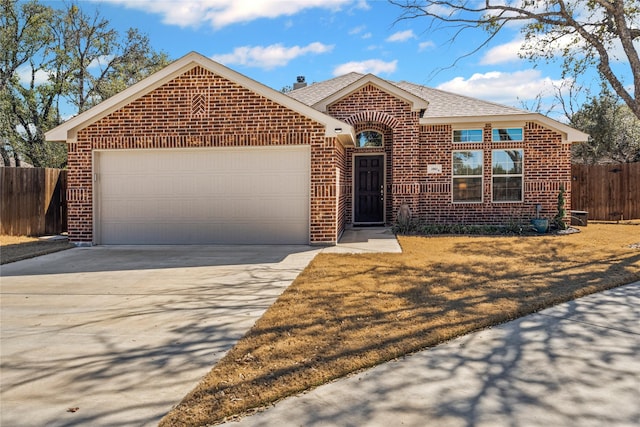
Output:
x=584 y=34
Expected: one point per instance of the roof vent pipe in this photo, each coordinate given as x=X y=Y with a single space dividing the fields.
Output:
x=300 y=83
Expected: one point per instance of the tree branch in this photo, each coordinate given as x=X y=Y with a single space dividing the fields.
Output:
x=554 y=20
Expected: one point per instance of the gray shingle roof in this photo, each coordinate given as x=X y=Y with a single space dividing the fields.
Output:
x=441 y=103
x=316 y=92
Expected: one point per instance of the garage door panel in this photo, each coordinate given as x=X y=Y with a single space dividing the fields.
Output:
x=231 y=195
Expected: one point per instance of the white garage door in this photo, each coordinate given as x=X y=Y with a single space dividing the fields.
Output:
x=203 y=196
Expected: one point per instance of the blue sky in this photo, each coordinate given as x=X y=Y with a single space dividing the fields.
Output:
x=273 y=41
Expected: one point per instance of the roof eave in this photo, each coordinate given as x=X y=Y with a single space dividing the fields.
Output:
x=417 y=103
x=569 y=134
x=67 y=131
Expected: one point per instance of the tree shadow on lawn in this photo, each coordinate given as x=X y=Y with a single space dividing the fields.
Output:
x=569 y=365
x=347 y=313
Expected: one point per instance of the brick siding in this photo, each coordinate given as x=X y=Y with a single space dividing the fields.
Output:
x=201 y=109
x=547 y=166
x=371 y=108
x=410 y=148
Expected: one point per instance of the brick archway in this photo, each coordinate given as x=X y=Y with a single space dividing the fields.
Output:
x=363 y=118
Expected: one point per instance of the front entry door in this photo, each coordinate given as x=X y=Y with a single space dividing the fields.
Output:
x=369 y=189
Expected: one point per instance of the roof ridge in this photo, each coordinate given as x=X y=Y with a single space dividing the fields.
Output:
x=497 y=104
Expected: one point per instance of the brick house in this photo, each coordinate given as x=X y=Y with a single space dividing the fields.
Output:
x=198 y=153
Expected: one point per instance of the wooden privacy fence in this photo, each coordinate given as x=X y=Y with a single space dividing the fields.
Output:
x=607 y=192
x=33 y=201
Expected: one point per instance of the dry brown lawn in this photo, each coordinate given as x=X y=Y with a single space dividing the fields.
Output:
x=16 y=248
x=345 y=313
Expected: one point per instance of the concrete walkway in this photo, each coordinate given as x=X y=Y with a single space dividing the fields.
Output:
x=576 y=364
x=366 y=240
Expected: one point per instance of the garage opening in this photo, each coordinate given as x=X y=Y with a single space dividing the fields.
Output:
x=239 y=195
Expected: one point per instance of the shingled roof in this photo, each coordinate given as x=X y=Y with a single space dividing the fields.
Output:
x=316 y=92
x=447 y=104
x=441 y=103
x=437 y=106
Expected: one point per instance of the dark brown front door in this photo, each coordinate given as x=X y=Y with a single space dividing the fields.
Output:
x=369 y=189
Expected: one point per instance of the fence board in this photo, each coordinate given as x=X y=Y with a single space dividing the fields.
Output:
x=33 y=201
x=607 y=192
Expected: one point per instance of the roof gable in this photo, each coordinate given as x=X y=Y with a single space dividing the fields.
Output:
x=442 y=107
x=417 y=103
x=67 y=131
x=316 y=92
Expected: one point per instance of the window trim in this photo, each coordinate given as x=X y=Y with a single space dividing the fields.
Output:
x=520 y=175
x=481 y=176
x=498 y=128
x=358 y=147
x=453 y=137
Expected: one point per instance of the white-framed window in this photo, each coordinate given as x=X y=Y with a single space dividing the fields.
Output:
x=507 y=175
x=369 y=138
x=467 y=135
x=507 y=134
x=467 y=176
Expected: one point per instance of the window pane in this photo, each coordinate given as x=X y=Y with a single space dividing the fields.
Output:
x=510 y=134
x=507 y=189
x=369 y=138
x=467 y=189
x=467 y=135
x=467 y=162
x=507 y=162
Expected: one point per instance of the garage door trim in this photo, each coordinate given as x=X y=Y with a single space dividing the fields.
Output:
x=253 y=153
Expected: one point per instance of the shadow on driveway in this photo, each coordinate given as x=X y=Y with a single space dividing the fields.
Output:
x=123 y=333
x=118 y=258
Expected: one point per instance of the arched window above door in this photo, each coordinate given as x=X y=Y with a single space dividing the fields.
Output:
x=369 y=138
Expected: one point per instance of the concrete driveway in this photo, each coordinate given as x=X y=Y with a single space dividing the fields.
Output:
x=123 y=333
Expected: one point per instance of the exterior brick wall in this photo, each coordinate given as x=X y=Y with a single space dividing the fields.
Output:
x=201 y=109
x=546 y=168
x=410 y=148
x=340 y=154
x=371 y=108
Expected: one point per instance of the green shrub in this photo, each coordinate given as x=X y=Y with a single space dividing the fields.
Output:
x=424 y=229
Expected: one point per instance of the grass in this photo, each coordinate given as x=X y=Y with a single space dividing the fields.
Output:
x=16 y=248
x=345 y=313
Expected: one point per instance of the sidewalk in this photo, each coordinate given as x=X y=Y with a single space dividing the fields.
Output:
x=576 y=364
x=366 y=240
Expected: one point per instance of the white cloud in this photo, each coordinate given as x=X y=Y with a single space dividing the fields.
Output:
x=269 y=57
x=362 y=5
x=357 y=30
x=401 y=36
x=507 y=52
x=503 y=87
x=425 y=45
x=220 y=13
x=24 y=76
x=100 y=62
x=374 y=66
